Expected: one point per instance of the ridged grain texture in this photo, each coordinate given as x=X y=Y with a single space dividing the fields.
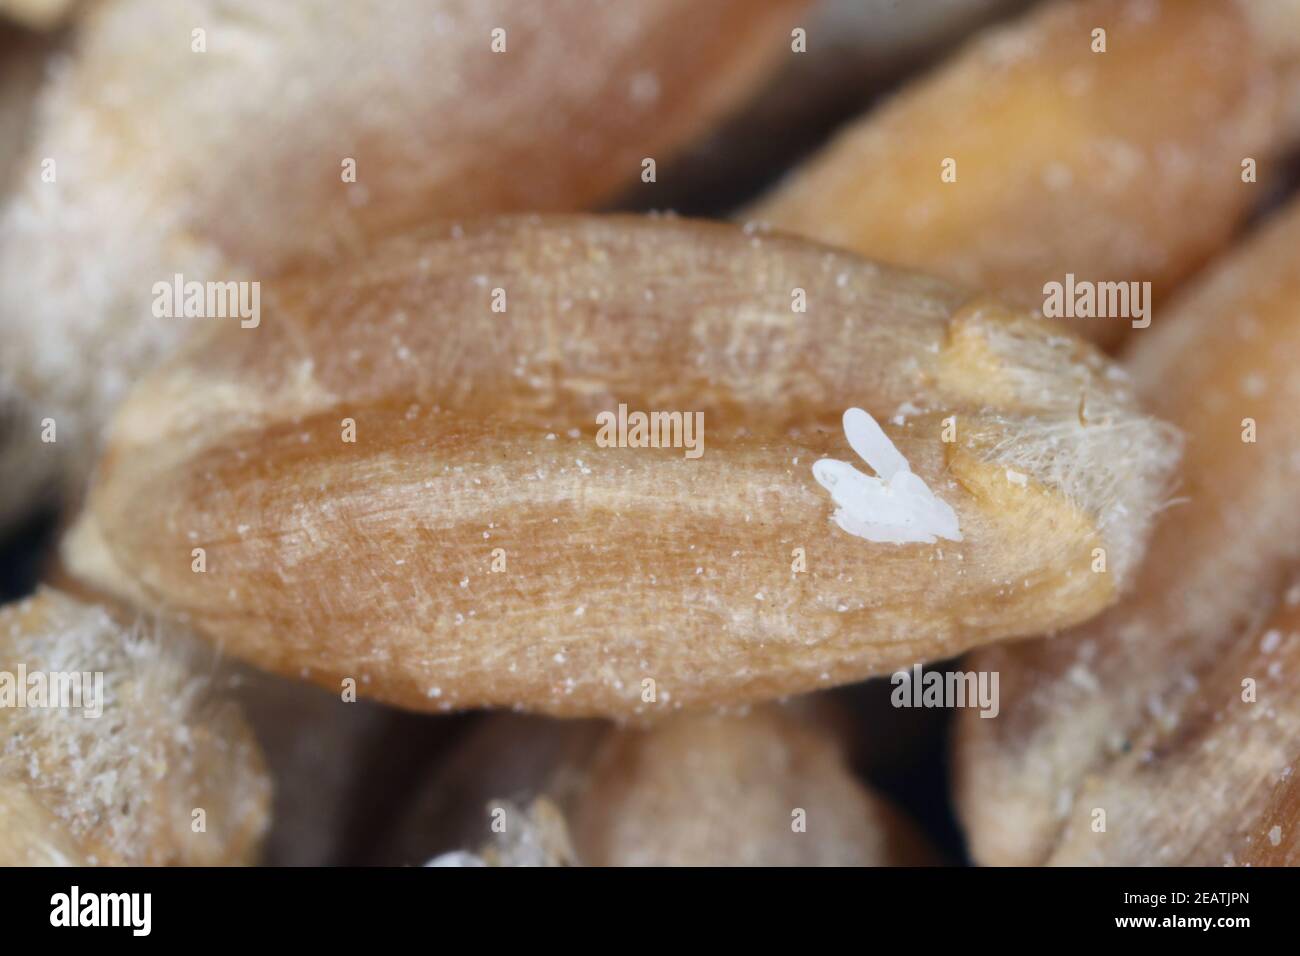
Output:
x=475 y=431
x=227 y=164
x=1071 y=705
x=1217 y=785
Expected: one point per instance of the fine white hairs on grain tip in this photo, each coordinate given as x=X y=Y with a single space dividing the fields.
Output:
x=897 y=507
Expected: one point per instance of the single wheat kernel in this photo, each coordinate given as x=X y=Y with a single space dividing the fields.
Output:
x=1123 y=165
x=331 y=558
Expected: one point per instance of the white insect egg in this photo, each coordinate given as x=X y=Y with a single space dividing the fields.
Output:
x=895 y=506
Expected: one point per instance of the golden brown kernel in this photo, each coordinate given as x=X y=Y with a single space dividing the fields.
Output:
x=475 y=430
x=1123 y=165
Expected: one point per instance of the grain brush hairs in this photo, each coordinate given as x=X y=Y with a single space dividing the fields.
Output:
x=1090 y=142
x=394 y=480
x=219 y=142
x=1224 y=372
x=114 y=748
